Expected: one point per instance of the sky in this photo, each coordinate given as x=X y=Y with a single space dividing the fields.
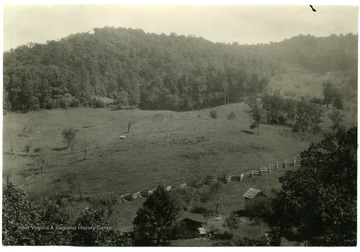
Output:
x=245 y=24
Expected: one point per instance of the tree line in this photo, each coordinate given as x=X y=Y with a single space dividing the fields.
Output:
x=136 y=69
x=150 y=71
x=301 y=115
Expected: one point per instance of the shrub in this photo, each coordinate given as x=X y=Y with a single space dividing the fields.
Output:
x=213 y=114
x=231 y=116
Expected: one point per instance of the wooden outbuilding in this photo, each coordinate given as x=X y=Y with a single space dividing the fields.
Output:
x=250 y=196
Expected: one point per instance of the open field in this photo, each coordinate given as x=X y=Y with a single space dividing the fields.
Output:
x=171 y=147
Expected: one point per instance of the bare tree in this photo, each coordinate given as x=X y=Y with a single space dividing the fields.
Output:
x=27 y=147
x=85 y=146
x=42 y=160
x=8 y=175
x=74 y=183
x=11 y=146
x=213 y=195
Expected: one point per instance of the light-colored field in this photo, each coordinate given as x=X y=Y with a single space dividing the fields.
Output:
x=171 y=147
x=297 y=82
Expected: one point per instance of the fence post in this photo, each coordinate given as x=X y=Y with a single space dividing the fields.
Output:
x=277 y=165
x=294 y=161
x=285 y=163
x=241 y=176
x=269 y=170
x=252 y=174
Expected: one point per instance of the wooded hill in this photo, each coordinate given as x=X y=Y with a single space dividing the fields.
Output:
x=151 y=71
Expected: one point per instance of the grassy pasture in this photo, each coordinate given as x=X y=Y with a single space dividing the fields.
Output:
x=172 y=147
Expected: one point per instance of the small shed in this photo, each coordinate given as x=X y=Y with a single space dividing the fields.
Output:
x=251 y=195
x=191 y=225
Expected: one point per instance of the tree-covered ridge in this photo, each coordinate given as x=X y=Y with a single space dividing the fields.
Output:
x=152 y=71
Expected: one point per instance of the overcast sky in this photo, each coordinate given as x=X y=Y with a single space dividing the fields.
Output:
x=219 y=23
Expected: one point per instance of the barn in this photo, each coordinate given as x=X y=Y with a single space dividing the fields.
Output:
x=251 y=195
x=191 y=225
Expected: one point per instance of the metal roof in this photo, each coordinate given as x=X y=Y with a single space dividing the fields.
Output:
x=251 y=193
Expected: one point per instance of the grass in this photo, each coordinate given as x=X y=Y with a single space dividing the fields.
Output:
x=172 y=147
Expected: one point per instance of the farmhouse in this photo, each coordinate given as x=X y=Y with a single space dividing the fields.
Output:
x=191 y=225
x=251 y=195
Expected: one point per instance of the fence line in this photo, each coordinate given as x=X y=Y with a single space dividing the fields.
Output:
x=230 y=178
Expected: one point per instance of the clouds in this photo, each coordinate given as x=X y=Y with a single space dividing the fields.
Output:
x=218 y=23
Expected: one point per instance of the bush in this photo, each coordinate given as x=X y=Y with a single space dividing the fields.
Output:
x=261 y=241
x=231 y=116
x=213 y=114
x=232 y=221
x=216 y=234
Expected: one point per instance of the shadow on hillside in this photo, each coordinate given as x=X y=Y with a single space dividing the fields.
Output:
x=77 y=161
x=248 y=132
x=59 y=148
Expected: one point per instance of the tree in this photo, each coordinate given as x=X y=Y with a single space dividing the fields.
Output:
x=332 y=95
x=53 y=215
x=213 y=194
x=247 y=242
x=337 y=119
x=317 y=203
x=129 y=126
x=256 y=112
x=69 y=137
x=27 y=147
x=94 y=229
x=85 y=146
x=337 y=100
x=273 y=104
x=158 y=216
x=232 y=221
x=17 y=218
x=74 y=183
x=42 y=160
x=48 y=223
x=260 y=208
x=328 y=91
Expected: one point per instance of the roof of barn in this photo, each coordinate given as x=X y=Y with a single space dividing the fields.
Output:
x=252 y=193
x=193 y=217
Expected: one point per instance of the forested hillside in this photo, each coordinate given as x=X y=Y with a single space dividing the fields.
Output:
x=152 y=71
